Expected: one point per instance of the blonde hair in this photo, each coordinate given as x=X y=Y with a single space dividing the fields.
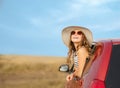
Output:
x=72 y=49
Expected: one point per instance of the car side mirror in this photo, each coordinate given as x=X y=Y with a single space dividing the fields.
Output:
x=64 y=68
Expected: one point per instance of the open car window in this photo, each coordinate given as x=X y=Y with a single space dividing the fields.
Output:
x=96 y=50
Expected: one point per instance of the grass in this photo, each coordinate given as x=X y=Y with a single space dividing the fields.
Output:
x=31 y=72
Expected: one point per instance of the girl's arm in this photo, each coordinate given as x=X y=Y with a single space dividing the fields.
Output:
x=82 y=55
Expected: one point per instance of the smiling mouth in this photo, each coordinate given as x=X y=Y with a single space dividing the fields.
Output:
x=75 y=38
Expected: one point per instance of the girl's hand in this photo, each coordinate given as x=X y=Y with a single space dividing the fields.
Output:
x=69 y=77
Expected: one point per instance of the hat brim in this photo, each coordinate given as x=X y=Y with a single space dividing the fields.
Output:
x=67 y=31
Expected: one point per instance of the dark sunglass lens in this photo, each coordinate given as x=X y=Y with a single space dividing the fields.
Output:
x=73 y=32
x=79 y=33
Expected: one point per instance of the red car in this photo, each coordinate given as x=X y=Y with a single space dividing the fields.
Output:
x=103 y=71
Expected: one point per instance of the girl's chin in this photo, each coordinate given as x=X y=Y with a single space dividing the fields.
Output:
x=76 y=41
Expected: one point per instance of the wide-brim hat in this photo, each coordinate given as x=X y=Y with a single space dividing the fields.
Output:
x=66 y=32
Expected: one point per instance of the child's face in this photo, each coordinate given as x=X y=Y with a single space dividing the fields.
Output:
x=76 y=36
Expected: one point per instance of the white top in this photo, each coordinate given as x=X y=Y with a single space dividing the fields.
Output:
x=75 y=60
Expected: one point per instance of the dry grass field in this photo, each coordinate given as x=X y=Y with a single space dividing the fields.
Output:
x=31 y=72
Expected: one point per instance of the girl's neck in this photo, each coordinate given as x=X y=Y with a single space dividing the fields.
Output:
x=76 y=45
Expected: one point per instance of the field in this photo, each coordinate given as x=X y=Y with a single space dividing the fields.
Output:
x=31 y=72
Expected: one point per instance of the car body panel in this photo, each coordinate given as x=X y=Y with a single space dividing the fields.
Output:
x=99 y=66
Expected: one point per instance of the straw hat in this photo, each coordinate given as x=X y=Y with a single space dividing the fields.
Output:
x=67 y=31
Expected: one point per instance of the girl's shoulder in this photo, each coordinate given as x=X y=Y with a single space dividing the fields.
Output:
x=82 y=50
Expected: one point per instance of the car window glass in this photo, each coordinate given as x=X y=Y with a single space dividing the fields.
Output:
x=113 y=74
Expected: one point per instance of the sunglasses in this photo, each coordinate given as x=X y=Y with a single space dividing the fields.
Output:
x=79 y=32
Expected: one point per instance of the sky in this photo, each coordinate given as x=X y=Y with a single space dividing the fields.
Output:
x=33 y=27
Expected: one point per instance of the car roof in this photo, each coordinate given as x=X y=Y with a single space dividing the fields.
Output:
x=113 y=40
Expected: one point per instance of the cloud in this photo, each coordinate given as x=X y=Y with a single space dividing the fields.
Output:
x=41 y=21
x=73 y=10
x=78 y=9
x=89 y=6
x=35 y=21
x=81 y=8
x=105 y=28
x=94 y=2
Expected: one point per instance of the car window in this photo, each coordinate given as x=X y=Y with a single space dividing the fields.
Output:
x=113 y=74
x=96 y=51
